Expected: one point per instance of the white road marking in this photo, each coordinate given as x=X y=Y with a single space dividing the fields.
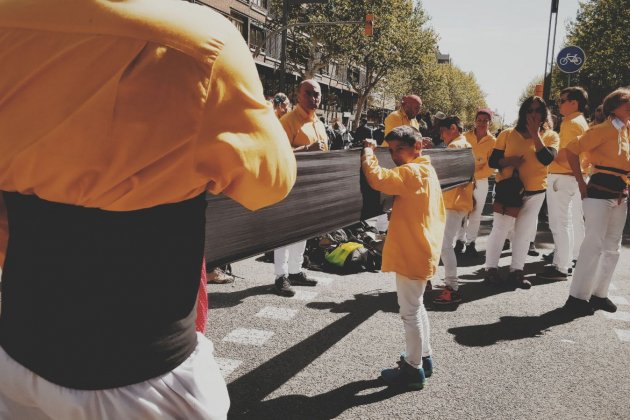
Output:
x=248 y=336
x=619 y=300
x=283 y=314
x=302 y=295
x=227 y=366
x=624 y=335
x=322 y=280
x=619 y=315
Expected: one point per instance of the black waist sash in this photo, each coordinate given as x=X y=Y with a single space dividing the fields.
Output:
x=95 y=299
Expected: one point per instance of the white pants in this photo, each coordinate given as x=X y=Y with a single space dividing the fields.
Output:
x=415 y=319
x=453 y=223
x=470 y=228
x=288 y=259
x=565 y=218
x=193 y=390
x=604 y=223
x=523 y=225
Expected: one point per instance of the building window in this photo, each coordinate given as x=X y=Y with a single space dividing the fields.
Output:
x=260 y=3
x=257 y=38
x=240 y=22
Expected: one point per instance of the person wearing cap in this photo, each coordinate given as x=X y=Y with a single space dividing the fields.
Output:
x=529 y=148
x=564 y=204
x=458 y=203
x=605 y=203
x=118 y=118
x=306 y=133
x=482 y=143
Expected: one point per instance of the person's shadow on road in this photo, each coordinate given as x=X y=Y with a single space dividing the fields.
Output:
x=328 y=405
x=510 y=328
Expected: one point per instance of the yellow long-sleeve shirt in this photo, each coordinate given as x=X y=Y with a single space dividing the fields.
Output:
x=416 y=227
x=606 y=147
x=396 y=119
x=482 y=150
x=123 y=105
x=303 y=129
x=459 y=198
x=532 y=173
x=572 y=127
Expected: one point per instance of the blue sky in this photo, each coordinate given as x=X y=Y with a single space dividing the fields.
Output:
x=503 y=42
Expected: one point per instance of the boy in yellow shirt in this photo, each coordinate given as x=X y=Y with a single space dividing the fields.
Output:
x=412 y=246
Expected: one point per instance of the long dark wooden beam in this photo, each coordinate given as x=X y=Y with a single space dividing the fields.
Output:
x=330 y=193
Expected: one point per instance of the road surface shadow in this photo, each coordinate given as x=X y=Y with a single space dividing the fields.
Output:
x=328 y=405
x=510 y=328
x=248 y=392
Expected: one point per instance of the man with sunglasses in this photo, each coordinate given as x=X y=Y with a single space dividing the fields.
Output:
x=564 y=203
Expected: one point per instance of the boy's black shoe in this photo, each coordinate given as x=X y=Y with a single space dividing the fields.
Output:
x=459 y=246
x=548 y=258
x=604 y=304
x=506 y=245
x=471 y=250
x=300 y=279
x=533 y=252
x=552 y=273
x=282 y=287
x=578 y=307
x=404 y=375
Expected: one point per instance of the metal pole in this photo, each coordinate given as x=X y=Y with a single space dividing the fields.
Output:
x=547 y=80
x=283 y=46
x=553 y=49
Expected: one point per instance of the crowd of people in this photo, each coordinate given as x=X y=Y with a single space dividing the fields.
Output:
x=140 y=111
x=582 y=171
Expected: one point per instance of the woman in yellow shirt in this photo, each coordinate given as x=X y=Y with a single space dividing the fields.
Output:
x=605 y=204
x=529 y=147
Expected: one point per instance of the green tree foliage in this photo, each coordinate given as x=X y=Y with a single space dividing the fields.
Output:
x=602 y=30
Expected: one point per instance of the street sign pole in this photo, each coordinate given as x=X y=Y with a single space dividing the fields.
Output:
x=547 y=78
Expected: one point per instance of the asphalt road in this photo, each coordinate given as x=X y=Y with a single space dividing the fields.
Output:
x=498 y=355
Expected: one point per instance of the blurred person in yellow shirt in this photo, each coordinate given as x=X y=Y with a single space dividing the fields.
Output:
x=116 y=118
x=458 y=202
x=412 y=246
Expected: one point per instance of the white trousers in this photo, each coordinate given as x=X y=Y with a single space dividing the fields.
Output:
x=604 y=223
x=415 y=319
x=193 y=390
x=523 y=225
x=454 y=220
x=288 y=259
x=565 y=218
x=470 y=228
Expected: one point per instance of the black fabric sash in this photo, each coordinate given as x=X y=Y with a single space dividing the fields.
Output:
x=94 y=299
x=611 y=169
x=330 y=193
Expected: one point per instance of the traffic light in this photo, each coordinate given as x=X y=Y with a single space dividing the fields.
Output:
x=369 y=24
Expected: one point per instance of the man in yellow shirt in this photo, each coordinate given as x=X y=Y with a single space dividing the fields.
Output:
x=458 y=203
x=410 y=106
x=412 y=245
x=306 y=133
x=117 y=118
x=564 y=204
x=482 y=143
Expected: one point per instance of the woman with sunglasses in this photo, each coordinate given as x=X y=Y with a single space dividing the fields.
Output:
x=604 y=202
x=529 y=148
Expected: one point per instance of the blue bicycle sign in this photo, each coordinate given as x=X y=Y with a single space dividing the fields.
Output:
x=570 y=59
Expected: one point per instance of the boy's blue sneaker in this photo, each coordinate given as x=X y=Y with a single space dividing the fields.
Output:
x=404 y=375
x=427 y=364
